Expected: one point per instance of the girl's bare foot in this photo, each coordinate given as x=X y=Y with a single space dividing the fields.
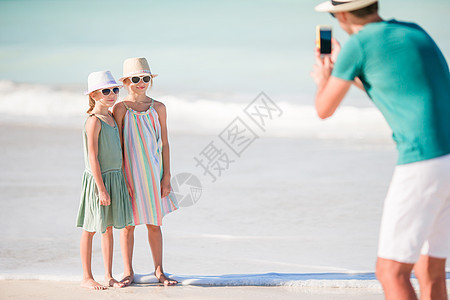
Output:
x=128 y=280
x=164 y=280
x=114 y=283
x=92 y=284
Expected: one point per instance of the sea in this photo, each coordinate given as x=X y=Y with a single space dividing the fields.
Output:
x=289 y=199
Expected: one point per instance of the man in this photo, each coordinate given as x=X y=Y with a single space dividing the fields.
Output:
x=406 y=76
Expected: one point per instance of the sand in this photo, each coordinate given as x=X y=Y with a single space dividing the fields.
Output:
x=32 y=160
x=26 y=289
x=62 y=147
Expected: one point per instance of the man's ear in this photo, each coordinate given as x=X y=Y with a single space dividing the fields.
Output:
x=342 y=16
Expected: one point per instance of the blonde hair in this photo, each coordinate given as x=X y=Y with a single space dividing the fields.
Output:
x=91 y=104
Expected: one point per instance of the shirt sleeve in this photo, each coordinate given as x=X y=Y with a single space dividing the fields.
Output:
x=349 y=61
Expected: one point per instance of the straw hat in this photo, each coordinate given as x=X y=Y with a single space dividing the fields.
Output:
x=343 y=5
x=100 y=80
x=136 y=66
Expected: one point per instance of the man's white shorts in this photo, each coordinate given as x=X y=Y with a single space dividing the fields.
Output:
x=416 y=215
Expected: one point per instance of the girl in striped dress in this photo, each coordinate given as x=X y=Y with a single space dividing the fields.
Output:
x=142 y=125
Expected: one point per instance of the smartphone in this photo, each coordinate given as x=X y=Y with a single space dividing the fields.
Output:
x=323 y=39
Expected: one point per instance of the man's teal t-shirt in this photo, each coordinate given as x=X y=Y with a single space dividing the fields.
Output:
x=408 y=79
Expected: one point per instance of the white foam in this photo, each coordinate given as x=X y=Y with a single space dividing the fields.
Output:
x=42 y=104
x=295 y=280
x=300 y=280
x=43 y=277
x=330 y=280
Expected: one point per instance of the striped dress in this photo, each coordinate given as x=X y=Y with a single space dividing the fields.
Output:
x=143 y=166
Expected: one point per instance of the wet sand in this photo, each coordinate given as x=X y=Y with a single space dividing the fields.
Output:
x=37 y=289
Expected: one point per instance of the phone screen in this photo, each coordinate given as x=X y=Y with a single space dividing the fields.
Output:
x=325 y=40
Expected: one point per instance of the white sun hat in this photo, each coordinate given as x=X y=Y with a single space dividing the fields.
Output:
x=101 y=80
x=136 y=66
x=343 y=5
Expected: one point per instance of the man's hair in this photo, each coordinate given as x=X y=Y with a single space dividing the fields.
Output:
x=365 y=11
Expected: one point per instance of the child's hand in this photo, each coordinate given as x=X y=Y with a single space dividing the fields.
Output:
x=130 y=190
x=104 y=198
x=165 y=186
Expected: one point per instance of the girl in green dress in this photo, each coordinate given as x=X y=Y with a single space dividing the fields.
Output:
x=104 y=199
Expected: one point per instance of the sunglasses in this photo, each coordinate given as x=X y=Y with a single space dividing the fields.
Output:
x=106 y=92
x=332 y=15
x=137 y=79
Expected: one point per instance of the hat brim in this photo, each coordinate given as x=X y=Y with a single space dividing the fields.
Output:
x=351 y=5
x=103 y=87
x=138 y=74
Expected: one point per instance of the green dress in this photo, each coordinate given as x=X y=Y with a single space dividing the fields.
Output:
x=92 y=216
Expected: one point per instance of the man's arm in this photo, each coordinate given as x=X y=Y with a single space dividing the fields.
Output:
x=358 y=83
x=330 y=96
x=330 y=90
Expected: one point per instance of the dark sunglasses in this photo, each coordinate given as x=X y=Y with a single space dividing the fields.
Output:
x=106 y=92
x=137 y=79
x=332 y=15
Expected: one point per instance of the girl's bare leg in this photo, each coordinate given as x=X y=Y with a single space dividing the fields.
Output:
x=107 y=250
x=127 y=244
x=156 y=245
x=86 y=260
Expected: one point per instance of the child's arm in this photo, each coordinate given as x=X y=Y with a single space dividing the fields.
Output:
x=119 y=111
x=93 y=127
x=165 y=180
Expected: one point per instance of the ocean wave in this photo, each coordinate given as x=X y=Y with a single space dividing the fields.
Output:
x=43 y=277
x=300 y=280
x=66 y=106
x=330 y=280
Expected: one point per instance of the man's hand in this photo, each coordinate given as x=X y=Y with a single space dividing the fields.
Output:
x=330 y=90
x=322 y=70
x=336 y=50
x=324 y=65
